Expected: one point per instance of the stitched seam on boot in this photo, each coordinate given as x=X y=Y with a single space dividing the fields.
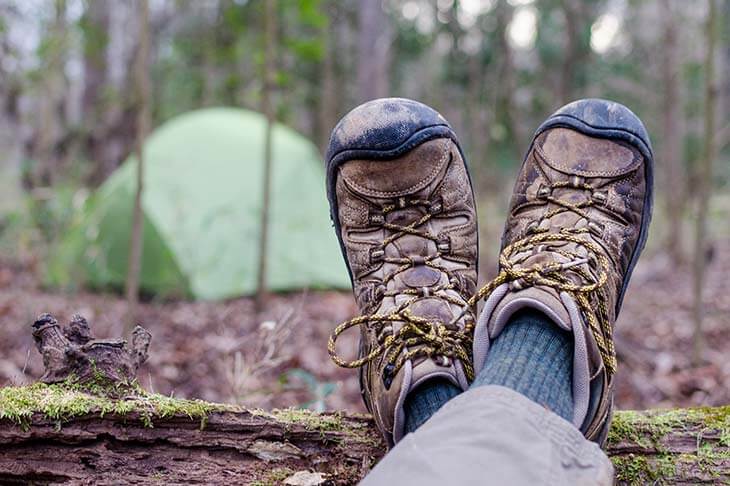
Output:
x=562 y=168
x=417 y=186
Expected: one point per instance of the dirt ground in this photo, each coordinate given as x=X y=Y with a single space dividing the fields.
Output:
x=224 y=352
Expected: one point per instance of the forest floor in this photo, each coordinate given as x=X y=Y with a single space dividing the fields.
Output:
x=225 y=352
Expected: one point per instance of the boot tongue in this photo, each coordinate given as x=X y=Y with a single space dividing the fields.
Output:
x=541 y=298
x=562 y=309
x=419 y=372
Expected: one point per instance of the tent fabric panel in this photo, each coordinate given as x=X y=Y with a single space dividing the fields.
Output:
x=96 y=251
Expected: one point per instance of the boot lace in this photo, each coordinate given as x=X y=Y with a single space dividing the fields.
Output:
x=591 y=293
x=433 y=338
x=417 y=336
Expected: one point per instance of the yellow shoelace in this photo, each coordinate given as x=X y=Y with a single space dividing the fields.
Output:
x=417 y=336
x=591 y=294
x=556 y=276
x=433 y=338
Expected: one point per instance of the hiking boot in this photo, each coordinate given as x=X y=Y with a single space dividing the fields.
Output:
x=403 y=210
x=577 y=223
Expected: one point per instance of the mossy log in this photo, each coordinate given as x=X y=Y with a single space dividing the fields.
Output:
x=88 y=422
x=56 y=433
x=681 y=446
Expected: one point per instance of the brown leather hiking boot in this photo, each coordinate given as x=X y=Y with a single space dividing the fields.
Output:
x=403 y=210
x=578 y=221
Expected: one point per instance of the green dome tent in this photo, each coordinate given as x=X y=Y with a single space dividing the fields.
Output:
x=202 y=206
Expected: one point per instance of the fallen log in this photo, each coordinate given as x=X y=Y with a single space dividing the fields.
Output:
x=54 y=433
x=86 y=425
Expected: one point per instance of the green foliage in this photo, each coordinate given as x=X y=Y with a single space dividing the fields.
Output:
x=53 y=211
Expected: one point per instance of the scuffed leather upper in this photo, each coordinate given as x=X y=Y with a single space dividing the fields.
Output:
x=613 y=207
x=573 y=232
x=429 y=179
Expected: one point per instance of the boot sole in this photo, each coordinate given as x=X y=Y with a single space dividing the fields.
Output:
x=379 y=138
x=611 y=120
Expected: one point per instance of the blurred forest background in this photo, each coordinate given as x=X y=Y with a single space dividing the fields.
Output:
x=70 y=105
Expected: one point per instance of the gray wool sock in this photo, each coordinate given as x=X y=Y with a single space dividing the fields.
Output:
x=426 y=399
x=534 y=357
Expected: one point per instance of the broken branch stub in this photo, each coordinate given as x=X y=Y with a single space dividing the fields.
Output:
x=72 y=352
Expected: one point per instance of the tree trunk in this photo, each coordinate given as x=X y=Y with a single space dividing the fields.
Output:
x=571 y=12
x=96 y=24
x=328 y=101
x=504 y=104
x=51 y=104
x=704 y=181
x=143 y=116
x=268 y=109
x=238 y=446
x=11 y=146
x=682 y=446
x=672 y=136
x=373 y=51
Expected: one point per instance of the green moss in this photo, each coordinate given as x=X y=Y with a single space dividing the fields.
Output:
x=624 y=427
x=638 y=470
x=310 y=420
x=64 y=401
x=648 y=428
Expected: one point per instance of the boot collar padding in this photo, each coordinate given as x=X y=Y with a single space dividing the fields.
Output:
x=502 y=304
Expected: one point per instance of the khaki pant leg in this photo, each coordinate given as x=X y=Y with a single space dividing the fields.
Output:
x=492 y=435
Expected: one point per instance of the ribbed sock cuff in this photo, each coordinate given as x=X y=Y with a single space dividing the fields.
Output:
x=426 y=399
x=534 y=357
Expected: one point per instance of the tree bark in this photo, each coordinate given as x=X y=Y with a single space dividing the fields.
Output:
x=240 y=446
x=374 y=40
x=143 y=121
x=683 y=446
x=96 y=23
x=672 y=135
x=268 y=109
x=704 y=181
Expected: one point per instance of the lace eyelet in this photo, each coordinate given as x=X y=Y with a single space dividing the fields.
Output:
x=577 y=182
x=596 y=228
x=376 y=219
x=599 y=197
x=435 y=206
x=377 y=255
x=441 y=360
x=378 y=292
x=543 y=192
x=388 y=375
